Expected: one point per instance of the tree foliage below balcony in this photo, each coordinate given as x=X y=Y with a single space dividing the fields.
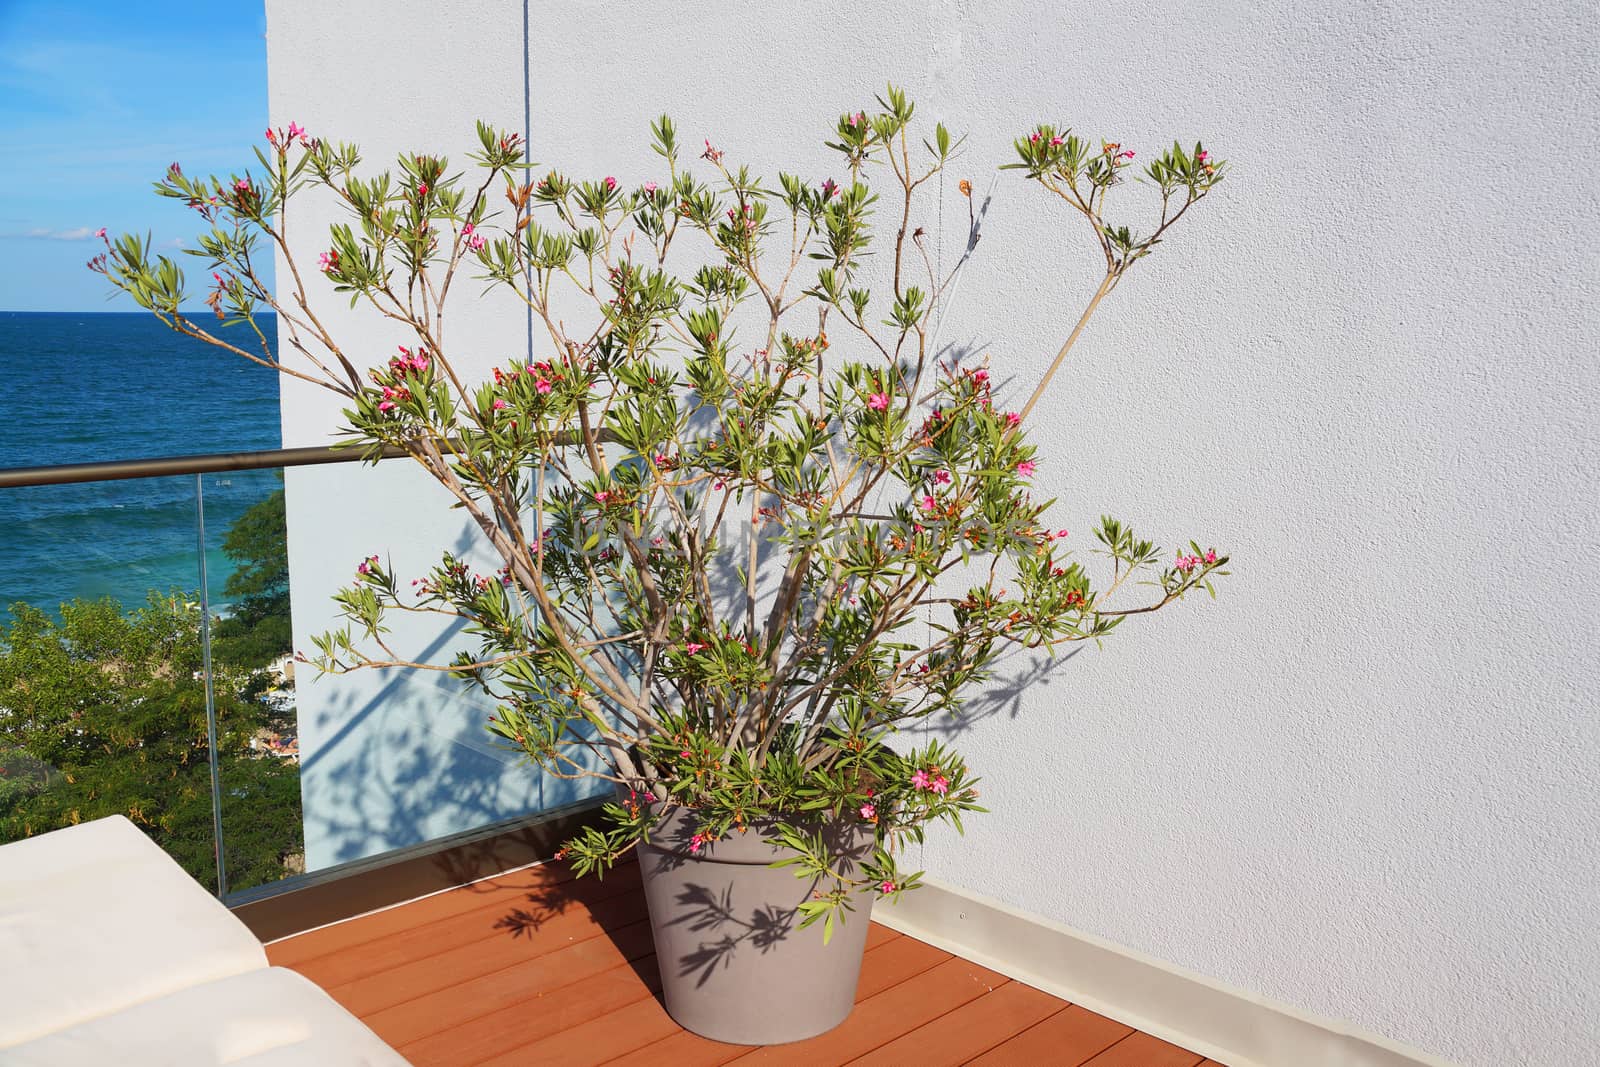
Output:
x=103 y=712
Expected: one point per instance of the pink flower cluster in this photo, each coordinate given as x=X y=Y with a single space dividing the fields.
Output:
x=698 y=842
x=409 y=360
x=367 y=566
x=285 y=138
x=693 y=647
x=329 y=261
x=878 y=401
x=1026 y=468
x=1189 y=563
x=1114 y=150
x=933 y=783
x=475 y=240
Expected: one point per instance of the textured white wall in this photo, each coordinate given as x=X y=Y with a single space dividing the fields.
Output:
x=390 y=759
x=1362 y=782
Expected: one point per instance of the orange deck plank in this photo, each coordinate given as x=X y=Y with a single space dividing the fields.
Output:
x=1070 y=1036
x=970 y=1030
x=880 y=1019
x=407 y=917
x=536 y=967
x=502 y=931
x=505 y=1030
x=458 y=966
x=1142 y=1050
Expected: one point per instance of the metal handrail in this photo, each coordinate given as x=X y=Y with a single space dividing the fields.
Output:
x=166 y=466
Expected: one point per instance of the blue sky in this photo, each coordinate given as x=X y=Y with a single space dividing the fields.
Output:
x=96 y=99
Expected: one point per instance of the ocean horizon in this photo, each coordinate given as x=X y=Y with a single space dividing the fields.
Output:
x=109 y=385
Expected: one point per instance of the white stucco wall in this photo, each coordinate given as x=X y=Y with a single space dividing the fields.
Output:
x=391 y=759
x=1362 y=782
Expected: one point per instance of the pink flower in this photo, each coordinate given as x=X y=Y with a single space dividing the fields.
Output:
x=422 y=189
x=542 y=386
x=929 y=503
x=1033 y=138
x=477 y=241
x=328 y=261
x=691 y=648
x=878 y=401
x=650 y=188
x=697 y=842
x=1026 y=468
x=101 y=232
x=1211 y=556
x=713 y=154
x=602 y=496
x=1012 y=418
x=940 y=785
x=830 y=189
x=367 y=565
x=611 y=184
x=941 y=477
x=272 y=137
x=980 y=377
x=499 y=403
x=1056 y=142
x=296 y=131
x=659 y=459
x=919 y=780
x=868 y=811
x=1201 y=156
x=719 y=484
x=886 y=887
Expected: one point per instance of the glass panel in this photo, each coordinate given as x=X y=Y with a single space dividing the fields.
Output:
x=392 y=758
x=102 y=699
x=253 y=677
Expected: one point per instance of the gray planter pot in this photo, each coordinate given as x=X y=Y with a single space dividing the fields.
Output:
x=735 y=965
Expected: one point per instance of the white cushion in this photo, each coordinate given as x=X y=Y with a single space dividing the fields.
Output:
x=267 y=1018
x=96 y=918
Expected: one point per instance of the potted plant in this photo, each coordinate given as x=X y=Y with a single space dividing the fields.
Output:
x=751 y=516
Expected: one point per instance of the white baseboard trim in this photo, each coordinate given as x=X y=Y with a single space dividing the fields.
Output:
x=1227 y=1025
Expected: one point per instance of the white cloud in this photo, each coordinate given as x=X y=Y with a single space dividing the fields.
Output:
x=44 y=233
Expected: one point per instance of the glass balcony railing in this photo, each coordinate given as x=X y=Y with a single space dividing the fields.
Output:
x=154 y=679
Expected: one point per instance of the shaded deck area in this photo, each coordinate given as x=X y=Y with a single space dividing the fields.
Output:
x=536 y=967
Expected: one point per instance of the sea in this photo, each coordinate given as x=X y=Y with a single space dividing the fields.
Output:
x=92 y=387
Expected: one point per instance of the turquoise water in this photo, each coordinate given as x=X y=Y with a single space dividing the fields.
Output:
x=82 y=388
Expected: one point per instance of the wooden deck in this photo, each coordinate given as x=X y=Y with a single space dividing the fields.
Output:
x=535 y=967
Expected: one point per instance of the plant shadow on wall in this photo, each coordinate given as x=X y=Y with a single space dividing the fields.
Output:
x=733 y=561
x=391 y=760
